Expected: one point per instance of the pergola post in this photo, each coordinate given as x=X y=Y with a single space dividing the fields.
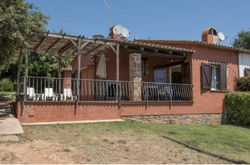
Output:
x=78 y=68
x=79 y=46
x=19 y=71
x=26 y=72
x=59 y=75
x=117 y=71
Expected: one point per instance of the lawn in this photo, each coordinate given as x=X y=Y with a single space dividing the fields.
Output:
x=6 y=96
x=126 y=142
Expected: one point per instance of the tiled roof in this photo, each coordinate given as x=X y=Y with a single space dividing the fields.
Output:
x=58 y=43
x=195 y=42
x=148 y=44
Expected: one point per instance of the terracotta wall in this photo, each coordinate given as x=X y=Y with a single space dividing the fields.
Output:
x=206 y=99
x=65 y=111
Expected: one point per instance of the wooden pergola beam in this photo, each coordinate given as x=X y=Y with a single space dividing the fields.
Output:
x=91 y=50
x=52 y=45
x=65 y=47
x=41 y=41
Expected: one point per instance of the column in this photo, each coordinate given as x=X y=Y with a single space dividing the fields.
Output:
x=135 y=76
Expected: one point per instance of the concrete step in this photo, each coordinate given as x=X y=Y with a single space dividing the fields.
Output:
x=74 y=122
x=10 y=126
x=9 y=138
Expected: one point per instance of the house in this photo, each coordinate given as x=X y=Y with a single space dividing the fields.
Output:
x=169 y=81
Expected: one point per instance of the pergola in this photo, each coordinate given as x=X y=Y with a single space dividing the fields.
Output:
x=60 y=44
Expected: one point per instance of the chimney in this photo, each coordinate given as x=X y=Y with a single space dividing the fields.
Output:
x=113 y=35
x=210 y=35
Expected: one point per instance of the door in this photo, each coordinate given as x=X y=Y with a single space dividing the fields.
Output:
x=160 y=75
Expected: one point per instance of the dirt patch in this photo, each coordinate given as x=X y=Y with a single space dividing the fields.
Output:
x=97 y=143
x=102 y=151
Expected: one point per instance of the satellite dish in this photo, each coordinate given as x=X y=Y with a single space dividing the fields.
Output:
x=125 y=32
x=117 y=29
x=120 y=30
x=221 y=36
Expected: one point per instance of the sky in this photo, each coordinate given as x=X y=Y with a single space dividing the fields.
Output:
x=154 y=19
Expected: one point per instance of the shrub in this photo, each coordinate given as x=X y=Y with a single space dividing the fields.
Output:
x=6 y=85
x=238 y=108
x=243 y=84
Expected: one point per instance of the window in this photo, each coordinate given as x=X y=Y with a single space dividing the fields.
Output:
x=247 y=72
x=214 y=76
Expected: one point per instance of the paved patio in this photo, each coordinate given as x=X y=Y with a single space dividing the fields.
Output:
x=9 y=124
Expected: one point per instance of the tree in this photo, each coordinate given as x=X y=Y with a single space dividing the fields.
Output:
x=18 y=20
x=242 y=40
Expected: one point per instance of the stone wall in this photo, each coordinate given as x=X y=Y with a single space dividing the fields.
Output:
x=135 y=76
x=178 y=119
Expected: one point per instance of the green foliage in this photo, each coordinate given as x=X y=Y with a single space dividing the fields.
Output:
x=242 y=40
x=45 y=64
x=243 y=84
x=238 y=108
x=6 y=85
x=18 y=20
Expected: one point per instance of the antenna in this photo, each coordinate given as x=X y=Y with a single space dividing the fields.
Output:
x=221 y=36
x=108 y=5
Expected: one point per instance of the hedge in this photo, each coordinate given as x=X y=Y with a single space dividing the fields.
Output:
x=238 y=108
x=6 y=85
x=243 y=84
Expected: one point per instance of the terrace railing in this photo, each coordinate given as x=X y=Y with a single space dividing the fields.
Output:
x=65 y=89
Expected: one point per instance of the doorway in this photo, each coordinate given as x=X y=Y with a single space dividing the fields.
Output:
x=175 y=74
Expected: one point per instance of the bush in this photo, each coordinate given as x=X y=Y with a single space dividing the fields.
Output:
x=243 y=84
x=238 y=108
x=6 y=85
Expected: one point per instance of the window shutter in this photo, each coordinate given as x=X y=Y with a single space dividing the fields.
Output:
x=223 y=71
x=205 y=76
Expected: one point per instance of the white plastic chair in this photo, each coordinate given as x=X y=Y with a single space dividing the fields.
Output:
x=67 y=93
x=48 y=93
x=31 y=93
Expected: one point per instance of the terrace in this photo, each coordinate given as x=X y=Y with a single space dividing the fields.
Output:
x=77 y=89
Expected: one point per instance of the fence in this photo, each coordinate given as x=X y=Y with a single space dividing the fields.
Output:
x=63 y=89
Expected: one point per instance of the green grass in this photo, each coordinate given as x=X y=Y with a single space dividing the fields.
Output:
x=225 y=140
x=6 y=96
x=229 y=141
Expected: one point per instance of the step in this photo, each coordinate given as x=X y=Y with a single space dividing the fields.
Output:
x=9 y=138
x=74 y=122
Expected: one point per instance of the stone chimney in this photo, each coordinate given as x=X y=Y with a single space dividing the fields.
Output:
x=210 y=35
x=113 y=35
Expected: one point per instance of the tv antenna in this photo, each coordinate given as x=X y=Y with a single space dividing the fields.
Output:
x=108 y=6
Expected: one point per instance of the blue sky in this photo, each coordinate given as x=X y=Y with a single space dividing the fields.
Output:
x=155 y=19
